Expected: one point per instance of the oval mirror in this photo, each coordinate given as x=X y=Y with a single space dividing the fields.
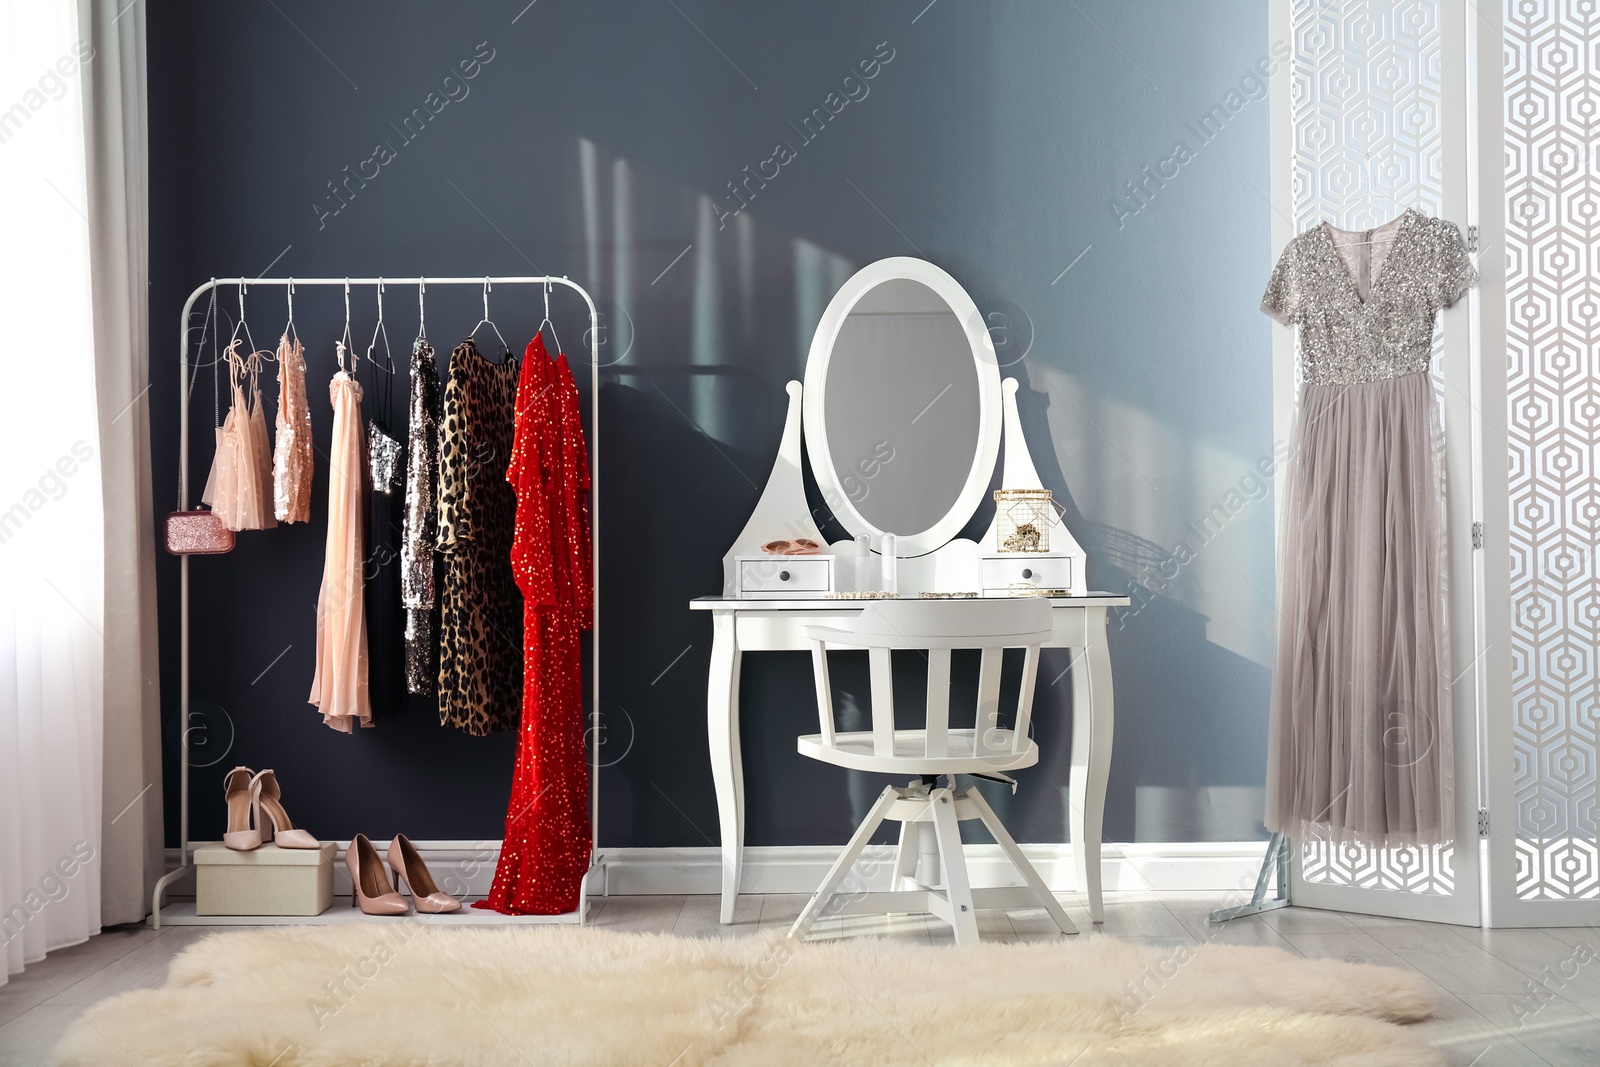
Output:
x=902 y=405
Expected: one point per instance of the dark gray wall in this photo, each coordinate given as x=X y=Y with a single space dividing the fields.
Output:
x=599 y=141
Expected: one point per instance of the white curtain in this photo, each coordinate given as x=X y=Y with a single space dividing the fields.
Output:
x=72 y=464
x=117 y=207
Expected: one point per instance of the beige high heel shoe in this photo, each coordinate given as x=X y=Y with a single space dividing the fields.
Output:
x=239 y=790
x=369 y=886
x=407 y=863
x=272 y=820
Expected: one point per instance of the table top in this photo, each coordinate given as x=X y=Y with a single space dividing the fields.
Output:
x=731 y=603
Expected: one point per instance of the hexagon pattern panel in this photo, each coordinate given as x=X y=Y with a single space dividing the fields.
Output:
x=1552 y=114
x=1367 y=145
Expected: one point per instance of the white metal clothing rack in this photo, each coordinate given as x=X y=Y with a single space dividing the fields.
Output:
x=186 y=868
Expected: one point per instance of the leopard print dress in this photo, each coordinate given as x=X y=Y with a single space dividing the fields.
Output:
x=480 y=624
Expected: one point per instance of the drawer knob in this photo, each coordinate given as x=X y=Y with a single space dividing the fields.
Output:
x=1027 y=572
x=783 y=576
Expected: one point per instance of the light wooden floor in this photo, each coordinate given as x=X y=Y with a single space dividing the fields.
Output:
x=1492 y=1013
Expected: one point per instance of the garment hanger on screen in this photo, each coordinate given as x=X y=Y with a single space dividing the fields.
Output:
x=1368 y=205
x=422 y=310
x=547 y=321
x=486 y=321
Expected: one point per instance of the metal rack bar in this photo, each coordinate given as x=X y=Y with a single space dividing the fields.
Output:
x=185 y=868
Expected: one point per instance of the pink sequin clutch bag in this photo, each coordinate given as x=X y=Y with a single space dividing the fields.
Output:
x=197 y=533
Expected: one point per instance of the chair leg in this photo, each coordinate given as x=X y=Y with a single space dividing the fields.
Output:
x=1009 y=846
x=905 y=856
x=841 y=866
x=958 y=891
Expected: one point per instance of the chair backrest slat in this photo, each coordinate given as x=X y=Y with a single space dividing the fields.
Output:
x=1030 y=675
x=882 y=701
x=938 y=702
x=819 y=671
x=988 y=718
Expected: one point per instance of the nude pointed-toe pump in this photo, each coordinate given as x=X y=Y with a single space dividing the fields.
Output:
x=273 y=820
x=239 y=790
x=407 y=864
x=369 y=886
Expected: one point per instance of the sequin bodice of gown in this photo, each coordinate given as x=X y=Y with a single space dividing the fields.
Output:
x=1365 y=301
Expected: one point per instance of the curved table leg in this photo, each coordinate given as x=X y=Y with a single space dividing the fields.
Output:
x=1092 y=727
x=727 y=763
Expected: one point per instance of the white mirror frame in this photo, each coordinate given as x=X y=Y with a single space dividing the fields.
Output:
x=989 y=406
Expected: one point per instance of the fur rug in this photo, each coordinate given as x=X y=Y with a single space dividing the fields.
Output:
x=408 y=993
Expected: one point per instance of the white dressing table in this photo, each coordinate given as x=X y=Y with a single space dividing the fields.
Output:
x=740 y=626
x=910 y=310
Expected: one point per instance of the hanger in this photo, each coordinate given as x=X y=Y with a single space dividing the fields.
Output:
x=547 y=321
x=489 y=322
x=233 y=340
x=382 y=330
x=288 y=329
x=422 y=310
x=1367 y=202
x=346 y=344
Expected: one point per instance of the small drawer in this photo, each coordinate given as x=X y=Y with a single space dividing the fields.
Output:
x=1000 y=573
x=780 y=577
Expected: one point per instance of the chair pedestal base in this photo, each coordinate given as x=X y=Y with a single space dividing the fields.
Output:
x=930 y=876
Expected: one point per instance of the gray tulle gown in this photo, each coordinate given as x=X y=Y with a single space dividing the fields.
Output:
x=1360 y=733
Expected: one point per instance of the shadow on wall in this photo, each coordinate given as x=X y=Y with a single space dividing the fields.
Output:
x=701 y=428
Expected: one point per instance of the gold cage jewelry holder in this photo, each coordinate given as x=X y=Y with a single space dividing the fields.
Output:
x=1023 y=518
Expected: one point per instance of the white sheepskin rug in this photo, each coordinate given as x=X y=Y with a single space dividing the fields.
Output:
x=414 y=994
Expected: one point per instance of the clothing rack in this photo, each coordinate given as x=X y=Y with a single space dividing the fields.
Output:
x=467 y=915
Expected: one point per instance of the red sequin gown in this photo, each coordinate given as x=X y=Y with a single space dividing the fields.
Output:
x=547 y=842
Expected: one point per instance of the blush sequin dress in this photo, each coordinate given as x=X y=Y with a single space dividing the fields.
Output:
x=546 y=847
x=292 y=462
x=1359 y=746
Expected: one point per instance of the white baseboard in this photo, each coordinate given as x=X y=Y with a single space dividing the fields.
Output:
x=466 y=868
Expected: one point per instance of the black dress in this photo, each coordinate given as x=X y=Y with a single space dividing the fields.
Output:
x=386 y=683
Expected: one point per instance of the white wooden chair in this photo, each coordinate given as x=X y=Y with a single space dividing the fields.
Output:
x=930 y=872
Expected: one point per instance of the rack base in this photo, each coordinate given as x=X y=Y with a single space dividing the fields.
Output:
x=181 y=913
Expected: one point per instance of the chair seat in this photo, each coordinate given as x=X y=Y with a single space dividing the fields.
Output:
x=855 y=751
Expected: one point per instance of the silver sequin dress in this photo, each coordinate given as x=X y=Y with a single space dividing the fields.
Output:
x=418 y=565
x=1359 y=742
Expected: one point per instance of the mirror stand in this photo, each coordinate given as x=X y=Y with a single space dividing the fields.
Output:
x=961 y=565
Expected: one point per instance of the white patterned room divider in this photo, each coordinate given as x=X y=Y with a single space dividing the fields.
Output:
x=1552 y=228
x=1368 y=136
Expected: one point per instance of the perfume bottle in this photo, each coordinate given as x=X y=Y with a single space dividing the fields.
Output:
x=863 y=563
x=890 y=565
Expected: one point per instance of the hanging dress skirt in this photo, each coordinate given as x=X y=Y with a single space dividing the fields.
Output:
x=339 y=688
